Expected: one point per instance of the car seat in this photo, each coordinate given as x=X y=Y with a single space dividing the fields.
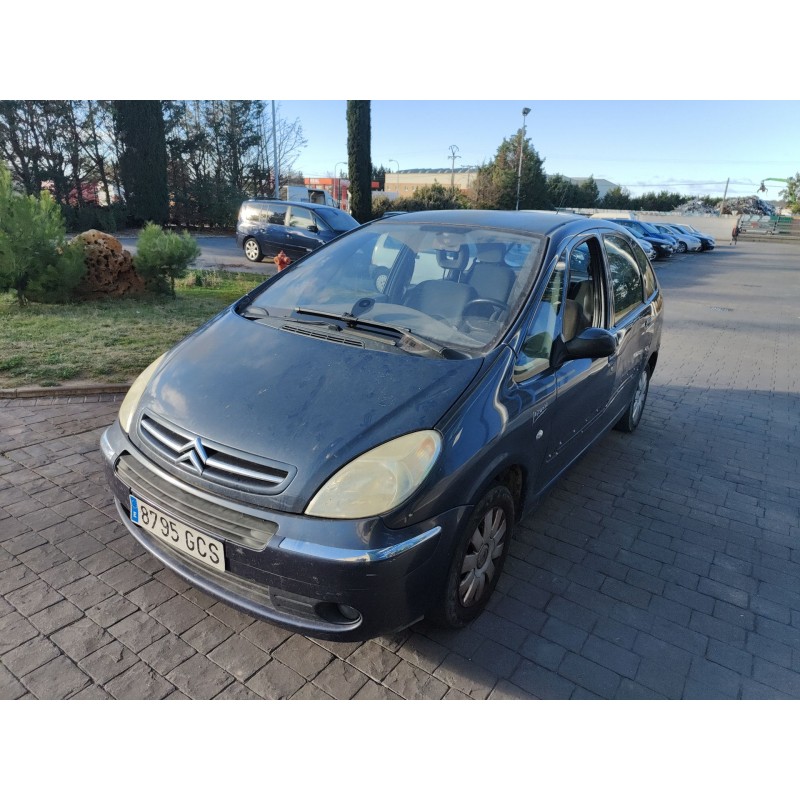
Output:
x=491 y=278
x=439 y=298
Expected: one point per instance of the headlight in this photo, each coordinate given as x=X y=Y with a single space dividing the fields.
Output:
x=379 y=480
x=134 y=393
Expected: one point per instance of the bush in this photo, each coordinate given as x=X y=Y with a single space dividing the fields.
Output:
x=99 y=218
x=425 y=198
x=35 y=259
x=162 y=256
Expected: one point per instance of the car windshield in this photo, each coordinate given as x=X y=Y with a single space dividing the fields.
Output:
x=457 y=287
x=651 y=229
x=336 y=219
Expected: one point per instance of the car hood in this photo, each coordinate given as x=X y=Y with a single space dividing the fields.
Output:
x=310 y=404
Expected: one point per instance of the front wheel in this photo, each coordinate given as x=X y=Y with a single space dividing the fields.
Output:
x=478 y=560
x=629 y=421
x=682 y=248
x=252 y=251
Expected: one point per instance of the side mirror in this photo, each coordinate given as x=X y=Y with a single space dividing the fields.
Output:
x=313 y=229
x=591 y=343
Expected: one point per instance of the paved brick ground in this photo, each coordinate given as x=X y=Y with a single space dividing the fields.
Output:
x=665 y=565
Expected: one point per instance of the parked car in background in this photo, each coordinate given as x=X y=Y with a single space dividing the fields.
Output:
x=266 y=227
x=664 y=245
x=343 y=460
x=686 y=241
x=706 y=242
x=649 y=250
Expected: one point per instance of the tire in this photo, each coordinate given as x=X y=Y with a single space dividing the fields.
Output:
x=629 y=421
x=252 y=250
x=478 y=560
x=682 y=248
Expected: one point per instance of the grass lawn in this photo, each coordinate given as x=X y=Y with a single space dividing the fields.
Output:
x=106 y=341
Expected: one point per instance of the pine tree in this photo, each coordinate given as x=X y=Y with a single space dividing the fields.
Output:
x=496 y=183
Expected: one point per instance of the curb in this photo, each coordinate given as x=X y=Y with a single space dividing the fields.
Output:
x=75 y=390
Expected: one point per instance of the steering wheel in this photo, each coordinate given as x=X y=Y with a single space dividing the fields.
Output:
x=470 y=323
x=483 y=302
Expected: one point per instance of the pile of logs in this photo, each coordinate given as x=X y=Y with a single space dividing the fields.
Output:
x=109 y=268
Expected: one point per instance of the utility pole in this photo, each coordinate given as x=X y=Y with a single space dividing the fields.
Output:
x=453 y=157
x=724 y=195
x=525 y=112
x=275 y=153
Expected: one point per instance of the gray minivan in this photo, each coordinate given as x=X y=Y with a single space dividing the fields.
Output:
x=266 y=227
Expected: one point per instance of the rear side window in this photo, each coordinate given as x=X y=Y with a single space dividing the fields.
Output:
x=251 y=212
x=273 y=214
x=626 y=280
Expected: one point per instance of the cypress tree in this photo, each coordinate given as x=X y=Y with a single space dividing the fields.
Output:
x=359 y=159
x=143 y=162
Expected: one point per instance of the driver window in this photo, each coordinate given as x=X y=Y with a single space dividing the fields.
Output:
x=535 y=354
x=300 y=218
x=585 y=299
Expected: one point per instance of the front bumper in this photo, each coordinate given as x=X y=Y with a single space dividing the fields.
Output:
x=663 y=250
x=345 y=580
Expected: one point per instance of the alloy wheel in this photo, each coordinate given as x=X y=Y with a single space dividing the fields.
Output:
x=251 y=250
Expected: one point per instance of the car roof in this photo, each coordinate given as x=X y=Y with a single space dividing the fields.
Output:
x=546 y=223
x=304 y=203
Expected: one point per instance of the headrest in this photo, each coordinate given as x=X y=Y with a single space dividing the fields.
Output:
x=489 y=252
x=453 y=259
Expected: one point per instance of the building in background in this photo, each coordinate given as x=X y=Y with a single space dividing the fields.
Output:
x=406 y=181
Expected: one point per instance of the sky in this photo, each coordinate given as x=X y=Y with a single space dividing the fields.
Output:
x=689 y=147
x=682 y=101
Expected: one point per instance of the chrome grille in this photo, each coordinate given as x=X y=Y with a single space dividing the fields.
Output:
x=220 y=520
x=214 y=462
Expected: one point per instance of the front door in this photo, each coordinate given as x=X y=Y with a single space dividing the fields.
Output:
x=301 y=232
x=584 y=386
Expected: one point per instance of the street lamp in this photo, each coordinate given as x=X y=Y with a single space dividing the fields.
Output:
x=335 y=170
x=525 y=112
x=397 y=182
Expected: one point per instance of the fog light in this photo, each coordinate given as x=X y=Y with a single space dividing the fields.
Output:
x=348 y=612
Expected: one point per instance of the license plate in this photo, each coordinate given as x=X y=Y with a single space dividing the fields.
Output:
x=199 y=546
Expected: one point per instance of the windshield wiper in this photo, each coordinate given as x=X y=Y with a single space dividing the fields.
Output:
x=404 y=336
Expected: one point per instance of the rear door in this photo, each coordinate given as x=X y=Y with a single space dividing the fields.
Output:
x=272 y=231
